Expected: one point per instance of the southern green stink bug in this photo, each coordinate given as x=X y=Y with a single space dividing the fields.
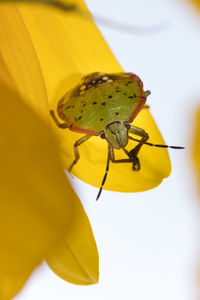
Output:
x=104 y=105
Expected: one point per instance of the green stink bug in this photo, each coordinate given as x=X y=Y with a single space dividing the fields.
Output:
x=104 y=105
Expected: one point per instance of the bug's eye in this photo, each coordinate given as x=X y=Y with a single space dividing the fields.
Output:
x=128 y=126
x=103 y=136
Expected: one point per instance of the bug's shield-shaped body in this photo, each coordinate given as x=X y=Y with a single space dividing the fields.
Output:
x=101 y=99
x=105 y=104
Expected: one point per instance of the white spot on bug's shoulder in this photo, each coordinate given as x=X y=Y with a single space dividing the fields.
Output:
x=110 y=80
x=82 y=87
x=93 y=81
x=105 y=78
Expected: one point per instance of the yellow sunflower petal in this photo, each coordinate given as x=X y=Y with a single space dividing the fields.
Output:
x=196 y=152
x=19 y=57
x=37 y=202
x=37 y=199
x=196 y=3
x=75 y=258
x=69 y=46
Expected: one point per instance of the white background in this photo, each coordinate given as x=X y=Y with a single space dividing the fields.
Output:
x=148 y=242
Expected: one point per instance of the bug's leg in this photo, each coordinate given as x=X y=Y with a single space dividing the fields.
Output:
x=134 y=152
x=111 y=157
x=124 y=160
x=76 y=153
x=147 y=93
x=60 y=125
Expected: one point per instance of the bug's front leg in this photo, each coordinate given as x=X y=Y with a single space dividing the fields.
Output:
x=76 y=153
x=123 y=160
x=134 y=152
x=60 y=125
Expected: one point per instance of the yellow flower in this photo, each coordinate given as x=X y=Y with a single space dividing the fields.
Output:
x=44 y=53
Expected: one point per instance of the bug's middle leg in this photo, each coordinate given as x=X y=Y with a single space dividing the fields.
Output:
x=76 y=153
x=134 y=152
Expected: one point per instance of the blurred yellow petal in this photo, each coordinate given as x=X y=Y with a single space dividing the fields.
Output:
x=196 y=153
x=75 y=258
x=37 y=203
x=38 y=199
x=18 y=54
x=69 y=46
x=196 y=3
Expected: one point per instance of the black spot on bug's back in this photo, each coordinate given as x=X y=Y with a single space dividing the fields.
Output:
x=68 y=106
x=75 y=119
x=94 y=102
x=101 y=119
x=125 y=94
x=79 y=117
x=130 y=96
x=117 y=113
x=118 y=91
x=110 y=96
x=103 y=103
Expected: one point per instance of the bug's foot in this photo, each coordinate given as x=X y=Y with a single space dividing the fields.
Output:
x=136 y=164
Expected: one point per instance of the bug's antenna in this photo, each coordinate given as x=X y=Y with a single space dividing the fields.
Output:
x=105 y=176
x=157 y=145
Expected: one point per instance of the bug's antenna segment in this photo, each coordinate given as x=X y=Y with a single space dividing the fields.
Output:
x=105 y=176
x=157 y=145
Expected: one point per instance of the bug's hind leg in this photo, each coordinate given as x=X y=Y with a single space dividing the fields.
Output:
x=60 y=125
x=134 y=152
x=76 y=153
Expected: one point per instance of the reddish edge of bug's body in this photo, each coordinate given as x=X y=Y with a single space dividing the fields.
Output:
x=137 y=110
x=86 y=131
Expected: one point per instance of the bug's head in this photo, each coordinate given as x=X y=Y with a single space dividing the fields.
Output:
x=116 y=133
